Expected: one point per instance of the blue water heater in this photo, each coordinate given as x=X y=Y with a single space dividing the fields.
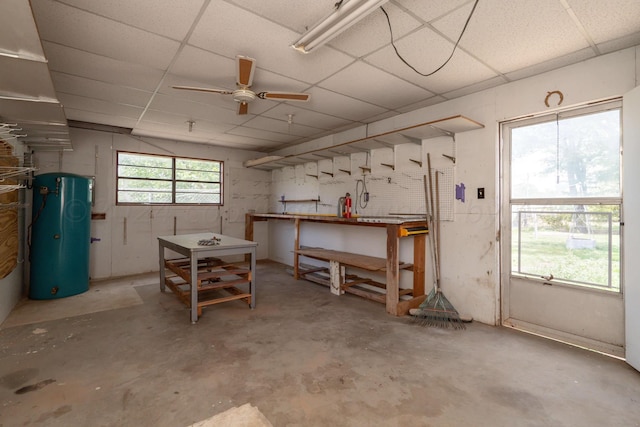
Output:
x=59 y=236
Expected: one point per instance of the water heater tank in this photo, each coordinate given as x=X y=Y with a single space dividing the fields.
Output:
x=59 y=236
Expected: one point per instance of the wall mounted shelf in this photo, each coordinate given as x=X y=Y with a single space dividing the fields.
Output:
x=447 y=126
x=285 y=201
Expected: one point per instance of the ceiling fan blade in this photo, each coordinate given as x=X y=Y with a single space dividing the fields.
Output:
x=246 y=68
x=204 y=89
x=284 y=96
x=243 y=108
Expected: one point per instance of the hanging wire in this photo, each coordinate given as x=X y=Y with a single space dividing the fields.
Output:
x=452 y=52
x=557 y=148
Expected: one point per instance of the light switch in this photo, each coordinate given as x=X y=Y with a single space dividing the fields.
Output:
x=481 y=193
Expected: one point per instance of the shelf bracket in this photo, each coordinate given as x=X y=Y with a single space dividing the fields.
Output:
x=389 y=166
x=345 y=171
x=453 y=159
x=418 y=162
x=327 y=173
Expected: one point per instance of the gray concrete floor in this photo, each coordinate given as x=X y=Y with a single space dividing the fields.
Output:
x=304 y=357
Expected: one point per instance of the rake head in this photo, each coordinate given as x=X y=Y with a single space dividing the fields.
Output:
x=437 y=311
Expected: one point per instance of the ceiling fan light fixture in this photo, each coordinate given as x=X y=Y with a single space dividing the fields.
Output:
x=347 y=14
x=243 y=95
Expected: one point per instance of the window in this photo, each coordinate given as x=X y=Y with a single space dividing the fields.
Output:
x=166 y=180
x=566 y=197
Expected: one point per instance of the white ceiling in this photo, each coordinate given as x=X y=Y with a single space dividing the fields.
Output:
x=113 y=62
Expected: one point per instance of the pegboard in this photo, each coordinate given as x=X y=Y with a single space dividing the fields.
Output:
x=404 y=192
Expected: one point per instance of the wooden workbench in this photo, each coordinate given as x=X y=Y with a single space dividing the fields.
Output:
x=392 y=265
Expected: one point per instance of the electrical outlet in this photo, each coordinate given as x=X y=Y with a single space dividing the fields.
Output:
x=481 y=193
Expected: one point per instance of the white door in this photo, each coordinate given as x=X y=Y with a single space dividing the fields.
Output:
x=561 y=228
x=631 y=123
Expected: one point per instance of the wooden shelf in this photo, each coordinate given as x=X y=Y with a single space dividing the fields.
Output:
x=285 y=201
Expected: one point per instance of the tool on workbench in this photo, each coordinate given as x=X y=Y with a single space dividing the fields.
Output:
x=436 y=310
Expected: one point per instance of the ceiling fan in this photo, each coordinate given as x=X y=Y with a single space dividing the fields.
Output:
x=243 y=95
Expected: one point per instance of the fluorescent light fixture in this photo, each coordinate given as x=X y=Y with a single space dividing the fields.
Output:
x=342 y=18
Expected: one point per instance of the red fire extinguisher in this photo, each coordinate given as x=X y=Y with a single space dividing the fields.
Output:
x=347 y=206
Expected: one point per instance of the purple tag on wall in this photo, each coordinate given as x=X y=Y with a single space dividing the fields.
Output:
x=460 y=192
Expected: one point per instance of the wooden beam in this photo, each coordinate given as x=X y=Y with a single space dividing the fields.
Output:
x=393 y=270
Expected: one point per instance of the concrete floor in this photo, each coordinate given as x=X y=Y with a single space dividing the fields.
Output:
x=303 y=357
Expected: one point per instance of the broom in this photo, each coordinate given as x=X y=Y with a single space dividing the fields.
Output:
x=436 y=310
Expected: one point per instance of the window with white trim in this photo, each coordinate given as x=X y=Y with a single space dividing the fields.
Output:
x=566 y=198
x=150 y=179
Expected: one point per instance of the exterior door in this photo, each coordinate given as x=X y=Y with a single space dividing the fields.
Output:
x=631 y=120
x=562 y=239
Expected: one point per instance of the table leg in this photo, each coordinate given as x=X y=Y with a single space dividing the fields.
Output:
x=161 y=258
x=194 y=288
x=252 y=284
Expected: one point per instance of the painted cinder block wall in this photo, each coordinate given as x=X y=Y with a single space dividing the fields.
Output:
x=128 y=236
x=471 y=242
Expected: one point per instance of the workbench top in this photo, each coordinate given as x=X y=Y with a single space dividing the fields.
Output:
x=355 y=220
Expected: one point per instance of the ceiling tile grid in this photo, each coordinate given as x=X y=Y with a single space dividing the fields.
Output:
x=115 y=62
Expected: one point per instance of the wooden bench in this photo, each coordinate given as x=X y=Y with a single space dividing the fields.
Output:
x=339 y=282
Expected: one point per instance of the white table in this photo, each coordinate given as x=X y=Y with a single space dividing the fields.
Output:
x=187 y=245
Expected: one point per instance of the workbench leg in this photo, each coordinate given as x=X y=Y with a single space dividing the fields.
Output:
x=248 y=232
x=252 y=276
x=296 y=246
x=161 y=258
x=419 y=260
x=194 y=288
x=393 y=270
x=336 y=273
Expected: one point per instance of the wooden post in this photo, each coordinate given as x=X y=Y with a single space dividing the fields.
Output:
x=296 y=246
x=336 y=272
x=419 y=260
x=393 y=269
x=248 y=232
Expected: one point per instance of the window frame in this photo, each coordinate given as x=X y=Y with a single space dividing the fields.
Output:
x=506 y=128
x=173 y=180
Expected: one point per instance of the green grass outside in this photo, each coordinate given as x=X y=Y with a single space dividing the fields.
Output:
x=545 y=252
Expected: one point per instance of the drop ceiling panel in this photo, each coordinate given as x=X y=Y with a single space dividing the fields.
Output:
x=180 y=121
x=500 y=31
x=98 y=106
x=197 y=110
x=372 y=32
x=430 y=10
x=72 y=27
x=281 y=126
x=306 y=117
x=99 y=68
x=81 y=86
x=388 y=91
x=607 y=20
x=205 y=67
x=273 y=137
x=341 y=106
x=18 y=32
x=267 y=42
x=307 y=12
x=425 y=50
x=21 y=78
x=172 y=20
x=169 y=132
